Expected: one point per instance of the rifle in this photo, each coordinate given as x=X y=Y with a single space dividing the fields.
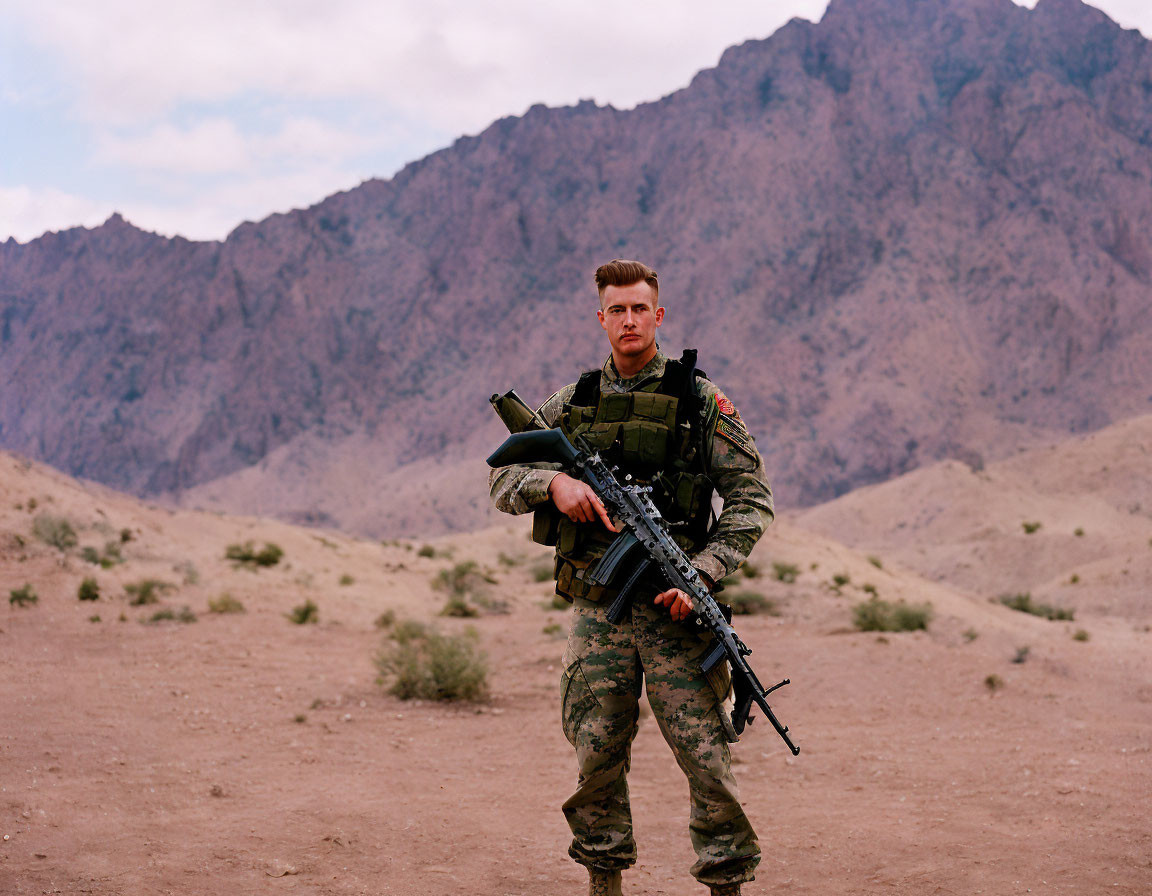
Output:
x=644 y=541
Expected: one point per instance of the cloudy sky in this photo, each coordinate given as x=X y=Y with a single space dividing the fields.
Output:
x=190 y=117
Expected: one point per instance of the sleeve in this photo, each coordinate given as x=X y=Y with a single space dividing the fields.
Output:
x=737 y=473
x=521 y=488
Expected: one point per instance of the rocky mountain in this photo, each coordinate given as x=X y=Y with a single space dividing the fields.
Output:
x=915 y=230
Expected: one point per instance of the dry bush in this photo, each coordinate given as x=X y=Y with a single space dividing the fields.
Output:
x=54 y=530
x=23 y=596
x=424 y=664
x=146 y=591
x=459 y=607
x=88 y=590
x=167 y=614
x=750 y=603
x=1024 y=604
x=247 y=555
x=306 y=613
x=875 y=615
x=225 y=603
x=785 y=572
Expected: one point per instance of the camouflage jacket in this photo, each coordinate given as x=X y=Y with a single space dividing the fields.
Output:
x=732 y=463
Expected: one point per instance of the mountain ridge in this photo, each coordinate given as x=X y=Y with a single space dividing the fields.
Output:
x=894 y=238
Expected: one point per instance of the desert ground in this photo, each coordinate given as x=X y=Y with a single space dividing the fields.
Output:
x=997 y=752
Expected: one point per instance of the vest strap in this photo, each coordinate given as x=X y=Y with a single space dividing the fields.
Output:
x=587 y=392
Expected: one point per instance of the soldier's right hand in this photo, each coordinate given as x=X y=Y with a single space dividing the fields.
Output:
x=577 y=501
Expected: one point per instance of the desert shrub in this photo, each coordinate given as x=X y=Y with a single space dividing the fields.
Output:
x=88 y=590
x=95 y=617
x=409 y=630
x=749 y=603
x=462 y=580
x=459 y=607
x=971 y=635
x=188 y=571
x=23 y=596
x=1075 y=580
x=875 y=615
x=146 y=591
x=993 y=682
x=385 y=619
x=167 y=614
x=496 y=606
x=54 y=530
x=1030 y=527
x=346 y=579
x=427 y=665
x=247 y=555
x=1078 y=532
x=875 y=561
x=542 y=572
x=426 y=550
x=1024 y=604
x=750 y=570
x=105 y=559
x=125 y=535
x=1021 y=655
x=506 y=559
x=225 y=603
x=1081 y=635
x=840 y=579
x=553 y=629
x=558 y=603
x=785 y=572
x=306 y=613
x=869 y=588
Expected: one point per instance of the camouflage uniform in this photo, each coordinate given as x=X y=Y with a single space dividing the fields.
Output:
x=606 y=665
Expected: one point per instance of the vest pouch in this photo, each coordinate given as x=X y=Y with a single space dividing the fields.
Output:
x=615 y=407
x=602 y=436
x=656 y=407
x=646 y=442
x=567 y=536
x=690 y=495
x=570 y=582
x=546 y=525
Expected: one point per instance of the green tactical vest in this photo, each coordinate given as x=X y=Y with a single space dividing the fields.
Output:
x=648 y=434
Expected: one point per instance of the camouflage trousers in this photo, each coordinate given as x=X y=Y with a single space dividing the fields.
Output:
x=605 y=666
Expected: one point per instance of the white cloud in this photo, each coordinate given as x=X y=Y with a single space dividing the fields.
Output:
x=197 y=112
x=456 y=65
x=214 y=210
x=214 y=146
x=217 y=146
x=26 y=213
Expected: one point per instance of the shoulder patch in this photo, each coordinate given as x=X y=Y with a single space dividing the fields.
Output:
x=734 y=431
x=726 y=407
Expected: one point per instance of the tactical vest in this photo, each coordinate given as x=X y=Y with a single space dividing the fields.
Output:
x=653 y=435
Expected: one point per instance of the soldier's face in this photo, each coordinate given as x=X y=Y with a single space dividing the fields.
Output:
x=630 y=316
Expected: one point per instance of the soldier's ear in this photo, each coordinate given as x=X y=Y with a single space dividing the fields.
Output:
x=659 y=314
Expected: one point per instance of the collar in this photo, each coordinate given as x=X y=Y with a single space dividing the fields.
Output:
x=610 y=377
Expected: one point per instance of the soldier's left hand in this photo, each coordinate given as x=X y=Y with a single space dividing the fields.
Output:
x=679 y=604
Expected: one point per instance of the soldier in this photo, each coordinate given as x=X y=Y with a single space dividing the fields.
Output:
x=661 y=421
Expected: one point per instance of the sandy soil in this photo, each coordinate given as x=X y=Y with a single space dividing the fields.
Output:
x=245 y=754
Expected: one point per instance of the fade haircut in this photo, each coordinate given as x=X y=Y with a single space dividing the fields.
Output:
x=621 y=272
